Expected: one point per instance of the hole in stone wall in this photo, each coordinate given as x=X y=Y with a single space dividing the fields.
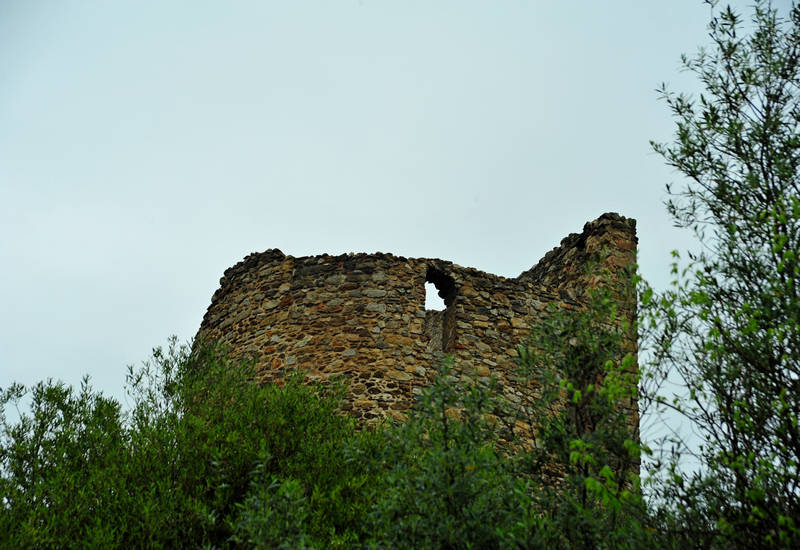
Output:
x=440 y=322
x=445 y=289
x=432 y=299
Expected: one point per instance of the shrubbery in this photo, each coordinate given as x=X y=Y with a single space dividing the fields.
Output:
x=188 y=466
x=206 y=457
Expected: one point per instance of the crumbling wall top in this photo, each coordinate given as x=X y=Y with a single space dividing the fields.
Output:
x=363 y=316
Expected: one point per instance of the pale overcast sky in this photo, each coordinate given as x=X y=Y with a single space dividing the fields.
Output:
x=147 y=146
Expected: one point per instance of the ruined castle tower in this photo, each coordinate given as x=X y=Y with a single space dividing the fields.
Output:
x=363 y=316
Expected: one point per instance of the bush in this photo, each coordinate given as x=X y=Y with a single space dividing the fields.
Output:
x=585 y=452
x=183 y=468
x=444 y=483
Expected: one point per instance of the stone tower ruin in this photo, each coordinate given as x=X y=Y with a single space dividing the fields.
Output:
x=363 y=316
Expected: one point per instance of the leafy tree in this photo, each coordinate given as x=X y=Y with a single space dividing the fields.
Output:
x=447 y=487
x=202 y=452
x=729 y=329
x=273 y=516
x=59 y=468
x=584 y=460
x=445 y=482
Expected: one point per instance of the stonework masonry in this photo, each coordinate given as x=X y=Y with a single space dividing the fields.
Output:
x=363 y=316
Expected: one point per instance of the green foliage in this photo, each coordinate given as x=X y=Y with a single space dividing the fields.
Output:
x=59 y=468
x=585 y=457
x=728 y=332
x=198 y=452
x=447 y=485
x=274 y=516
x=207 y=458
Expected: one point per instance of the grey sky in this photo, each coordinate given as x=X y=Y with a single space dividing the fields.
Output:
x=147 y=146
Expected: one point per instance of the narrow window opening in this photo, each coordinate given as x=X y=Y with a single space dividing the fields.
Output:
x=439 y=287
x=432 y=299
x=440 y=318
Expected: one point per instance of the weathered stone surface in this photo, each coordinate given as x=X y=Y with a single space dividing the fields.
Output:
x=363 y=315
x=398 y=375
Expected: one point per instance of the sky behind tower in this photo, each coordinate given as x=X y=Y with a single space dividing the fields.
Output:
x=147 y=146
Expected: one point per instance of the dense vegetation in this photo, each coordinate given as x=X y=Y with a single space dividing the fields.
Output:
x=207 y=458
x=728 y=331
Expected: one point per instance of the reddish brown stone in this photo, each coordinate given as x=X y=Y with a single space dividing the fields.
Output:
x=366 y=313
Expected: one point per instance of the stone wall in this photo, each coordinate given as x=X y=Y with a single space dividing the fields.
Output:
x=363 y=315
